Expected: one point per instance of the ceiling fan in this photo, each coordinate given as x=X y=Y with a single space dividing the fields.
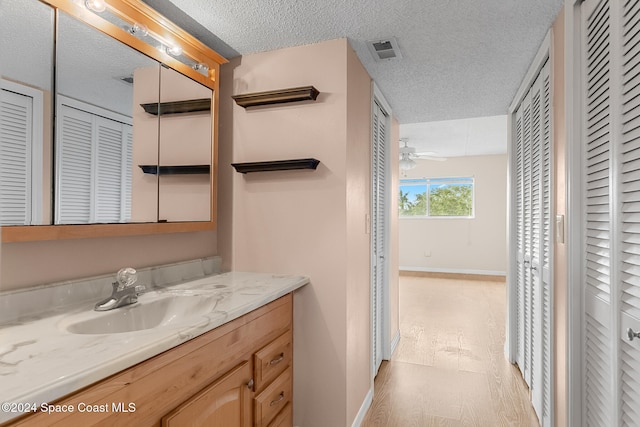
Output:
x=408 y=155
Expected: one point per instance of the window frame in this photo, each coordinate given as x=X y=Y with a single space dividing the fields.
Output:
x=428 y=182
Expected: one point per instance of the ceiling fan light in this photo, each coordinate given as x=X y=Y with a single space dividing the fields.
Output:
x=406 y=163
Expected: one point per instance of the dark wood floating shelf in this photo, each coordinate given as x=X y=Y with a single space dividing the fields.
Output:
x=178 y=107
x=305 y=93
x=276 y=165
x=176 y=170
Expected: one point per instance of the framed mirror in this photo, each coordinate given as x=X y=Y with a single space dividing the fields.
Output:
x=134 y=150
x=26 y=112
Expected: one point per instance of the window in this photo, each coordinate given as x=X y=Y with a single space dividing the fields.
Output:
x=436 y=197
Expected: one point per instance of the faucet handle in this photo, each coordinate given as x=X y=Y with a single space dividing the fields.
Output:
x=126 y=277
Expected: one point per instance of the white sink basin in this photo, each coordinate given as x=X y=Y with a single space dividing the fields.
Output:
x=153 y=310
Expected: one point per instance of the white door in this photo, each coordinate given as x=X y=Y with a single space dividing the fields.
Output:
x=611 y=202
x=93 y=169
x=378 y=231
x=21 y=131
x=533 y=229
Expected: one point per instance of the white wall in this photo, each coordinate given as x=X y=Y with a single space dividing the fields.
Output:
x=476 y=246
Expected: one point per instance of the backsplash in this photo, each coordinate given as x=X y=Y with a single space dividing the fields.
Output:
x=54 y=297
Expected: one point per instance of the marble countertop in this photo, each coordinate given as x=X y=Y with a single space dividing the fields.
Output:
x=40 y=361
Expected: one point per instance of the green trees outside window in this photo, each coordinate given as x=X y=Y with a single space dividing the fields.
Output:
x=436 y=197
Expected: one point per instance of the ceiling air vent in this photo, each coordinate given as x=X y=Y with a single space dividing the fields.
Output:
x=384 y=49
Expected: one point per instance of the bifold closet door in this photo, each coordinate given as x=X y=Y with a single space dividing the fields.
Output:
x=16 y=117
x=611 y=201
x=379 y=230
x=533 y=228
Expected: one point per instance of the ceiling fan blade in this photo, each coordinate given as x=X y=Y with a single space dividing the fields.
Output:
x=436 y=158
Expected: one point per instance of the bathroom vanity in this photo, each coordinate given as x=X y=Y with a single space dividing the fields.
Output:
x=226 y=362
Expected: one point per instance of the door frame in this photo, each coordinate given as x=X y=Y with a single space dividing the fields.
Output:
x=378 y=98
x=574 y=300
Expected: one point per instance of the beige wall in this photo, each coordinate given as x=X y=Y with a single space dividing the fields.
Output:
x=306 y=222
x=168 y=140
x=185 y=139
x=144 y=186
x=358 y=199
x=34 y=263
x=461 y=245
x=560 y=208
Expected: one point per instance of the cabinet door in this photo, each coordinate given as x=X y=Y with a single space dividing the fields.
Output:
x=225 y=403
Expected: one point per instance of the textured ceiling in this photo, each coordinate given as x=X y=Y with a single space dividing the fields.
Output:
x=477 y=136
x=460 y=58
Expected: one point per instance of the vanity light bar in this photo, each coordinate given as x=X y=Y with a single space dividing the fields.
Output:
x=180 y=50
x=97 y=6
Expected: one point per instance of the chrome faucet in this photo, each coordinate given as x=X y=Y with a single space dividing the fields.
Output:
x=124 y=291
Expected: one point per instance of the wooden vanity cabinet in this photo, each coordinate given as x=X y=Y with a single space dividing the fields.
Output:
x=238 y=374
x=226 y=402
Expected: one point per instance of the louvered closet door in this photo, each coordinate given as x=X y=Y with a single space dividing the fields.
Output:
x=611 y=152
x=520 y=266
x=112 y=170
x=532 y=132
x=94 y=160
x=378 y=229
x=526 y=264
x=535 y=352
x=15 y=158
x=74 y=162
x=546 y=302
x=629 y=248
x=540 y=266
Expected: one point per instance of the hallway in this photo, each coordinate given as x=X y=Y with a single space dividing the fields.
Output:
x=449 y=368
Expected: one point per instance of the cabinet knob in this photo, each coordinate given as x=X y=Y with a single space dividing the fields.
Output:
x=278 y=400
x=277 y=360
x=631 y=334
x=250 y=384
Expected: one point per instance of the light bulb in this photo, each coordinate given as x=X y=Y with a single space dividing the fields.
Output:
x=95 y=5
x=201 y=67
x=174 y=50
x=139 y=30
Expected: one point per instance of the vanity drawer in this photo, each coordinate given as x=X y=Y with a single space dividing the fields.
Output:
x=272 y=360
x=273 y=399
x=284 y=418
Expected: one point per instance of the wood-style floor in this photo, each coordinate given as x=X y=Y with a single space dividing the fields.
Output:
x=449 y=368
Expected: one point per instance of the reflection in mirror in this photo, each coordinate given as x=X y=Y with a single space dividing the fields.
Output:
x=185 y=142
x=89 y=173
x=26 y=49
x=101 y=83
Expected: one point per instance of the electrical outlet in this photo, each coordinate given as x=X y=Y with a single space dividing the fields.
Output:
x=427 y=254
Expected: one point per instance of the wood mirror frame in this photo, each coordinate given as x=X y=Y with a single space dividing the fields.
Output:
x=135 y=11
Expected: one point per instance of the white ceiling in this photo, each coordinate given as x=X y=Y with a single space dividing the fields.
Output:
x=460 y=58
x=460 y=137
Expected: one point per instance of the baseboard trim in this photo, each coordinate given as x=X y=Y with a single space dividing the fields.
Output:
x=366 y=404
x=494 y=276
x=394 y=342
